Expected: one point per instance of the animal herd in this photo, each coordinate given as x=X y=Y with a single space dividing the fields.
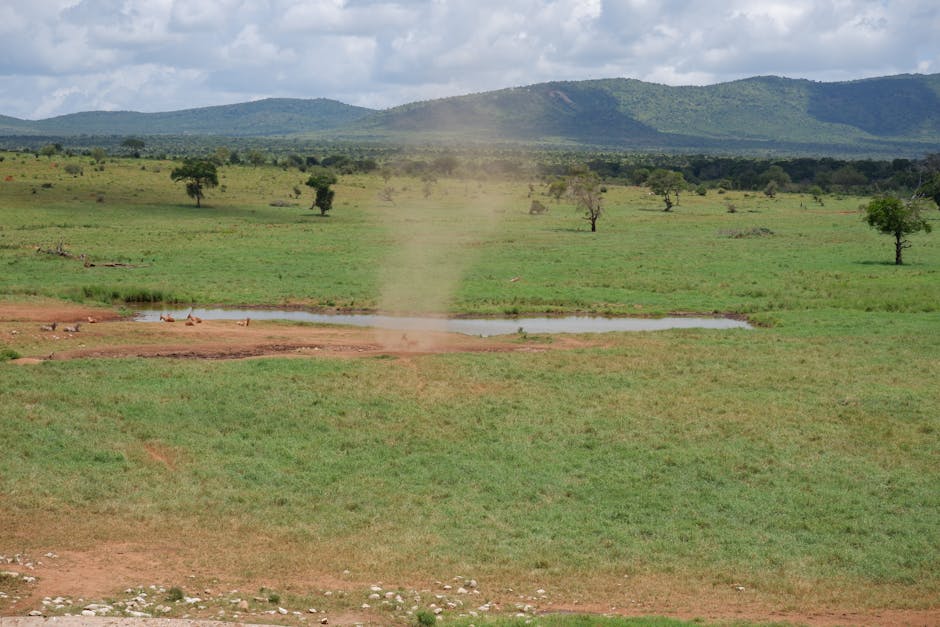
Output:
x=190 y=320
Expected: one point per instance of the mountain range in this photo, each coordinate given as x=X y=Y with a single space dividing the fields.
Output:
x=886 y=115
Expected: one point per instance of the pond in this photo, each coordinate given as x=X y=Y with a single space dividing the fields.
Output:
x=468 y=326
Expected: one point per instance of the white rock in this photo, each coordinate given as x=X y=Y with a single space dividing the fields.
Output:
x=376 y=588
x=88 y=613
x=374 y=596
x=540 y=591
x=461 y=590
x=282 y=611
x=324 y=621
x=192 y=600
x=136 y=614
x=389 y=595
x=447 y=586
x=438 y=610
x=472 y=583
x=35 y=613
x=366 y=606
x=312 y=610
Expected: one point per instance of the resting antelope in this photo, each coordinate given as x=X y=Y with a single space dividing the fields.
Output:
x=244 y=323
x=190 y=317
x=49 y=327
x=167 y=318
x=72 y=329
x=91 y=320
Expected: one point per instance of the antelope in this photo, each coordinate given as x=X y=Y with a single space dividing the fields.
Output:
x=244 y=323
x=49 y=327
x=191 y=318
x=167 y=318
x=91 y=320
x=73 y=329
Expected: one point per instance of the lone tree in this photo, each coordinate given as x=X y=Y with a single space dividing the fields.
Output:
x=585 y=188
x=666 y=183
x=198 y=174
x=893 y=216
x=320 y=179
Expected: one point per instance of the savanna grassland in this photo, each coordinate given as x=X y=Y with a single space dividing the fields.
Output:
x=788 y=472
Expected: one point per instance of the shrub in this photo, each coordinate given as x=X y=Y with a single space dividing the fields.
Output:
x=174 y=594
x=6 y=354
x=424 y=618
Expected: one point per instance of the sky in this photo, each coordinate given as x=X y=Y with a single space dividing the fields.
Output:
x=64 y=56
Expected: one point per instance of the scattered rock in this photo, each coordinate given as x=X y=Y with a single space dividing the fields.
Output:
x=243 y=604
x=35 y=613
x=312 y=610
x=282 y=611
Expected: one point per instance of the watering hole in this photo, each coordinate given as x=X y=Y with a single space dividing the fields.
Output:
x=468 y=326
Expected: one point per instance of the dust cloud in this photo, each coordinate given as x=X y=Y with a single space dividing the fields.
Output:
x=435 y=240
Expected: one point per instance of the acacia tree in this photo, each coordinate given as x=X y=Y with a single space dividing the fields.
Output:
x=893 y=216
x=666 y=183
x=198 y=174
x=585 y=188
x=320 y=179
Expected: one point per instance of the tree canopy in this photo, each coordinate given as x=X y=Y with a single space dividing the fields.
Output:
x=198 y=174
x=893 y=216
x=666 y=183
x=320 y=180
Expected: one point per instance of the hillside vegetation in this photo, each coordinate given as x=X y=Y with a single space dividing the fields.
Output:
x=894 y=115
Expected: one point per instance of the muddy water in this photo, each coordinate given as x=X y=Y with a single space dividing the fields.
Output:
x=468 y=326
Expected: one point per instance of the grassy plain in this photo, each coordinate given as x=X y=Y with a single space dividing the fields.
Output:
x=659 y=471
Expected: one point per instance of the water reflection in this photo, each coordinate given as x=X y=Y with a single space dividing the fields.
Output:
x=468 y=326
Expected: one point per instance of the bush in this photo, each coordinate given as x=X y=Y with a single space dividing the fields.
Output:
x=174 y=594
x=6 y=354
x=425 y=618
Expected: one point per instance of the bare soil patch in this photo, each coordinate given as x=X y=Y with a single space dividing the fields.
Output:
x=111 y=336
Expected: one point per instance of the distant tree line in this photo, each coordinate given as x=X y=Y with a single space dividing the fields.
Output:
x=830 y=175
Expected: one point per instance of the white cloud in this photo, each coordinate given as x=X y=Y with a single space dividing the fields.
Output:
x=66 y=55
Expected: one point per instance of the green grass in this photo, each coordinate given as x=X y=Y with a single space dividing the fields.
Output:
x=468 y=240
x=798 y=459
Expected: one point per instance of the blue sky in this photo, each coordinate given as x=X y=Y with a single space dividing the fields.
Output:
x=63 y=56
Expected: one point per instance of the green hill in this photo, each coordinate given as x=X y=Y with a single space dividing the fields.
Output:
x=893 y=115
x=898 y=113
x=273 y=116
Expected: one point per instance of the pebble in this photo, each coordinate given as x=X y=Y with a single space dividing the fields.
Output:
x=312 y=610
x=35 y=613
x=243 y=604
x=88 y=613
x=281 y=611
x=324 y=621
